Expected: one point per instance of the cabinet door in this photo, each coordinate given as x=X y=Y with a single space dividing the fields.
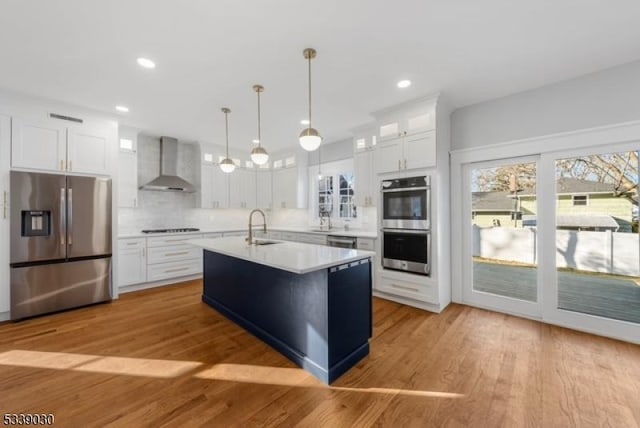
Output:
x=363 y=173
x=420 y=150
x=5 y=149
x=264 y=188
x=38 y=144
x=242 y=188
x=285 y=188
x=388 y=156
x=88 y=150
x=214 y=187
x=132 y=266
x=127 y=179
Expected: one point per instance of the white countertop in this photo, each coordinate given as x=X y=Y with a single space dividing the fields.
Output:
x=339 y=232
x=294 y=257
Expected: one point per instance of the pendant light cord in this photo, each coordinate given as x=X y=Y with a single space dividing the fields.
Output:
x=309 y=91
x=259 y=135
x=226 y=127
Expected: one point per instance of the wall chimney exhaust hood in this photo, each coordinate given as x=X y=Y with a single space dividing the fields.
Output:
x=169 y=181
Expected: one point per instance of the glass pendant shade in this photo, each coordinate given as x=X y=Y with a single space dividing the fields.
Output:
x=310 y=139
x=259 y=155
x=227 y=165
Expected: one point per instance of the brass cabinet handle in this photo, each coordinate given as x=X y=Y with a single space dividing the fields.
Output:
x=176 y=270
x=70 y=165
x=402 y=287
x=182 y=253
x=61 y=165
x=405 y=164
x=399 y=164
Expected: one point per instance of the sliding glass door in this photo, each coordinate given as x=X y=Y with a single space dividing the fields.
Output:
x=502 y=247
x=595 y=281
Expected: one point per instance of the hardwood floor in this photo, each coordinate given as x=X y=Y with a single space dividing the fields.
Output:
x=162 y=358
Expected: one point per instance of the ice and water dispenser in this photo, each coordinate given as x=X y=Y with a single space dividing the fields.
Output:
x=36 y=223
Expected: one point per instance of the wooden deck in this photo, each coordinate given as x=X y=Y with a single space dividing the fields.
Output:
x=603 y=295
x=162 y=358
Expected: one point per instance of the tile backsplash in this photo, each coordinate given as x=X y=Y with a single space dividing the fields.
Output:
x=158 y=210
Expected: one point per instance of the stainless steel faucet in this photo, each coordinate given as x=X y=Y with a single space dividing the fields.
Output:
x=264 y=224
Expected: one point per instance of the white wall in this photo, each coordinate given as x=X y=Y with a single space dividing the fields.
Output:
x=603 y=98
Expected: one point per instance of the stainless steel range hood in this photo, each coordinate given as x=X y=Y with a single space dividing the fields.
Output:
x=169 y=181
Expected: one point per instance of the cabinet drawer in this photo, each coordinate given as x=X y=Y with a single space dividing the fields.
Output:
x=366 y=244
x=131 y=244
x=421 y=292
x=173 y=270
x=173 y=253
x=164 y=241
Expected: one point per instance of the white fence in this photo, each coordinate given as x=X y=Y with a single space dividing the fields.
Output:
x=606 y=252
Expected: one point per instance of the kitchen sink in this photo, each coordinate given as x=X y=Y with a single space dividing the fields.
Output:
x=265 y=242
x=323 y=230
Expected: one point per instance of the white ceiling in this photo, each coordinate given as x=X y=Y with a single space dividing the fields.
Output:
x=210 y=53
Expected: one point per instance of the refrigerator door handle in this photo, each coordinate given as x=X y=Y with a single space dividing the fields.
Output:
x=70 y=218
x=63 y=216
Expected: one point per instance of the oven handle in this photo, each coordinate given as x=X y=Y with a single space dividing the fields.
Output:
x=407 y=231
x=405 y=189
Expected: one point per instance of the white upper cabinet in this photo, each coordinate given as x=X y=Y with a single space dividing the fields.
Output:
x=38 y=144
x=364 y=147
x=406 y=137
x=285 y=188
x=87 y=150
x=58 y=146
x=264 y=190
x=215 y=187
x=407 y=120
x=290 y=178
x=365 y=187
x=242 y=188
x=128 y=168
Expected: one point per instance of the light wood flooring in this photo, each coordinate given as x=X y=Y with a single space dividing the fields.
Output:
x=162 y=358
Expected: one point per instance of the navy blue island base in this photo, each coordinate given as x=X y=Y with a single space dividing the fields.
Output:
x=321 y=320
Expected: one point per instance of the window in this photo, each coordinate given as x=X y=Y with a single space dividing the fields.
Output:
x=332 y=191
x=580 y=200
x=347 y=203
x=325 y=195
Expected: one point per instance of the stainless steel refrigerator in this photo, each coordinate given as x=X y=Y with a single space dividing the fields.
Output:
x=60 y=242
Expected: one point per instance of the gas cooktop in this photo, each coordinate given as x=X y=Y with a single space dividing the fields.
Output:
x=182 y=229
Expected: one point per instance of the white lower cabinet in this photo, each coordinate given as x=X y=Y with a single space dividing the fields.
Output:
x=421 y=291
x=170 y=257
x=162 y=271
x=132 y=261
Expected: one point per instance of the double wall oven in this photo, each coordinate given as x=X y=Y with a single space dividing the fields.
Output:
x=406 y=224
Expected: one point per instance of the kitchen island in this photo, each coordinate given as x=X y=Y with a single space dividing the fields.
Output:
x=310 y=302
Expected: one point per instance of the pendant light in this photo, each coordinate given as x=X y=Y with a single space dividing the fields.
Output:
x=227 y=164
x=309 y=137
x=259 y=155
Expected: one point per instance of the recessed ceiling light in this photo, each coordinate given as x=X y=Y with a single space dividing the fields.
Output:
x=304 y=122
x=256 y=141
x=122 y=109
x=146 y=63
x=404 y=84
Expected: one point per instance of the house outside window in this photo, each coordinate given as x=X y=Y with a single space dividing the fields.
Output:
x=580 y=200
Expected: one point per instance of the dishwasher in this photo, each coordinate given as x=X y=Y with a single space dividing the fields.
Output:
x=342 y=241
